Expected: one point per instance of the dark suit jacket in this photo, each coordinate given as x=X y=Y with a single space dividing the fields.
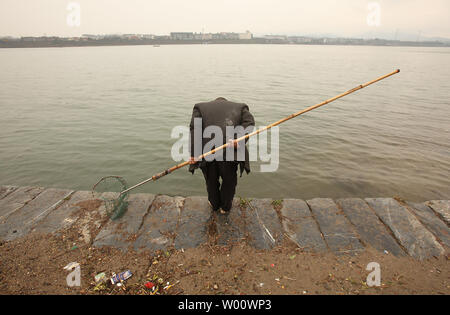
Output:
x=221 y=113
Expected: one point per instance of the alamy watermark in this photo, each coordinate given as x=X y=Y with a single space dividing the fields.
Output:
x=374 y=16
x=258 y=145
x=74 y=17
x=73 y=279
x=374 y=278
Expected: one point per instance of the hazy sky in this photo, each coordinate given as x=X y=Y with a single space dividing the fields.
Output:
x=339 y=17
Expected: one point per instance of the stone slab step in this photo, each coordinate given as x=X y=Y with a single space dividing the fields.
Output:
x=64 y=216
x=263 y=224
x=120 y=233
x=300 y=226
x=21 y=221
x=160 y=224
x=17 y=199
x=231 y=228
x=408 y=230
x=336 y=229
x=369 y=226
x=442 y=207
x=6 y=190
x=193 y=225
x=432 y=222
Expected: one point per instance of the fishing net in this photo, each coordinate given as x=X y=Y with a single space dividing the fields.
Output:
x=109 y=190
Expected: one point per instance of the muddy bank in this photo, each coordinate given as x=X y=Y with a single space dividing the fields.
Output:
x=176 y=245
x=34 y=265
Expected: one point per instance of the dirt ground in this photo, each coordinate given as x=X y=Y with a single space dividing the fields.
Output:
x=34 y=265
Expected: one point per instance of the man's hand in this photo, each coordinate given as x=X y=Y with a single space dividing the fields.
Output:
x=192 y=160
x=234 y=143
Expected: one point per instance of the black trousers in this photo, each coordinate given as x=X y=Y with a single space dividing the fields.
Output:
x=220 y=196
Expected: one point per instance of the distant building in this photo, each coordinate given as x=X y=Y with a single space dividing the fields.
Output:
x=148 y=36
x=300 y=39
x=229 y=36
x=246 y=35
x=276 y=37
x=90 y=36
x=162 y=37
x=130 y=36
x=182 y=36
x=198 y=36
x=208 y=36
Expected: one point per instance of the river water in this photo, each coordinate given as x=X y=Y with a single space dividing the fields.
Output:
x=69 y=116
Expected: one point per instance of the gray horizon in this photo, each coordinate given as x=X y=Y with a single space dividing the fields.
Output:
x=402 y=19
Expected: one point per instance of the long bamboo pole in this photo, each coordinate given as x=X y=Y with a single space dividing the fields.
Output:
x=174 y=168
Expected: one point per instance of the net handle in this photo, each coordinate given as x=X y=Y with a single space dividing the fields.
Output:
x=174 y=168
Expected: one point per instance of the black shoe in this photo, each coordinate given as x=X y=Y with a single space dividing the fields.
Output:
x=212 y=208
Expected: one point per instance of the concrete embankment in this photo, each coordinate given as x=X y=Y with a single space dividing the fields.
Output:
x=343 y=226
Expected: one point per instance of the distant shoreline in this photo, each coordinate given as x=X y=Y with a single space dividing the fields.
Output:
x=61 y=42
